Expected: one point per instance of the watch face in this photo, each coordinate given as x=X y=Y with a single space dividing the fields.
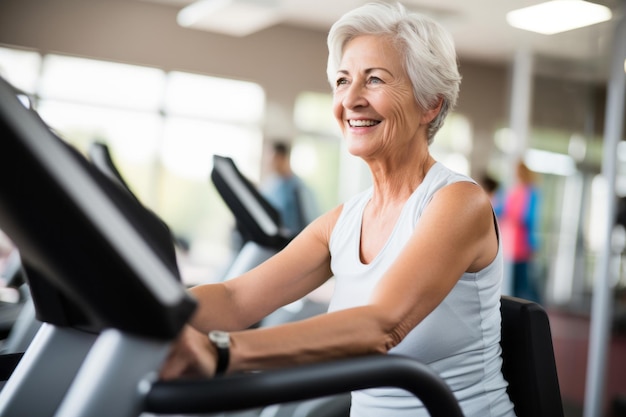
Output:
x=221 y=339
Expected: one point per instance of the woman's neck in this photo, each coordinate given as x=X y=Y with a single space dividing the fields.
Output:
x=396 y=181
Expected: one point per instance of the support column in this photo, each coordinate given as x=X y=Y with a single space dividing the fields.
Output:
x=602 y=301
x=521 y=99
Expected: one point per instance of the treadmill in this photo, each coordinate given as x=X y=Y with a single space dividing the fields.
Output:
x=107 y=291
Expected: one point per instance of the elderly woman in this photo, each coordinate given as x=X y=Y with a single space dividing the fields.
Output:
x=416 y=257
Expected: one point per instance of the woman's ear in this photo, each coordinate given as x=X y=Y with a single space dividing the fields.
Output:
x=430 y=114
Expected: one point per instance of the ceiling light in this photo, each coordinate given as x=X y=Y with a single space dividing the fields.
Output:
x=558 y=16
x=230 y=17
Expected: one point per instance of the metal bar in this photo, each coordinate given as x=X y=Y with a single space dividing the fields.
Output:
x=602 y=301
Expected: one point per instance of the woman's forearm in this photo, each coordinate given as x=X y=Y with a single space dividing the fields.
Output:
x=346 y=333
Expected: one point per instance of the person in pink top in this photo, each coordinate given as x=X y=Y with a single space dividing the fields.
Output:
x=518 y=215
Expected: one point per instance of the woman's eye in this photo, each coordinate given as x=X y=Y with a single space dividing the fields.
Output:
x=375 y=80
x=341 y=81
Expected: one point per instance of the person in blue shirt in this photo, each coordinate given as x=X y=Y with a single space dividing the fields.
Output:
x=286 y=192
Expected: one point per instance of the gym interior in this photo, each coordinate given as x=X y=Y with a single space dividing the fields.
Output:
x=164 y=97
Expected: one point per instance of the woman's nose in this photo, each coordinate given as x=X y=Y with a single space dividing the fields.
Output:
x=354 y=96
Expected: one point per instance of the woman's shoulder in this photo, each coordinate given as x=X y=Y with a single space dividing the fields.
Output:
x=324 y=225
x=467 y=203
x=458 y=193
x=441 y=174
x=440 y=178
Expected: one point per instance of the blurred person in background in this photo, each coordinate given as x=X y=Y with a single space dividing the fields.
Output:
x=287 y=193
x=491 y=187
x=519 y=220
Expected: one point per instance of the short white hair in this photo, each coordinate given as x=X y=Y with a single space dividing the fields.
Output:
x=431 y=62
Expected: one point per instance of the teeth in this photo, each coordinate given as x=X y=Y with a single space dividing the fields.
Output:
x=363 y=123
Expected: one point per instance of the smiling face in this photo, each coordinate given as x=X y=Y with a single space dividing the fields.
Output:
x=374 y=102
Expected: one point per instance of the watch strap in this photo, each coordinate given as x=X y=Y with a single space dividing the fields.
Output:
x=223 y=357
x=221 y=341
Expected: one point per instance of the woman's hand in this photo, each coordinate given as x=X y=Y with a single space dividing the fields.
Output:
x=191 y=355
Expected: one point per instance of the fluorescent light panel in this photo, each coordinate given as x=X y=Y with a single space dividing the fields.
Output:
x=230 y=17
x=558 y=16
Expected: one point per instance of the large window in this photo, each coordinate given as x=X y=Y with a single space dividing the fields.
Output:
x=317 y=147
x=453 y=143
x=162 y=129
x=20 y=67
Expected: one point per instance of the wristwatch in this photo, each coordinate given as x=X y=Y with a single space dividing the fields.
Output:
x=221 y=340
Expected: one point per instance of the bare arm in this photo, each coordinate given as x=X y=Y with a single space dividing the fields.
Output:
x=298 y=269
x=455 y=234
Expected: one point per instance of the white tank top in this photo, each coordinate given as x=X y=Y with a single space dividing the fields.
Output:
x=459 y=340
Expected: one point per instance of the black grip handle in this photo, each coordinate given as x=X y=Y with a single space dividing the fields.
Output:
x=242 y=391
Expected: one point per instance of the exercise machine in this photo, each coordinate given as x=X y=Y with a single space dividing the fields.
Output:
x=257 y=222
x=261 y=228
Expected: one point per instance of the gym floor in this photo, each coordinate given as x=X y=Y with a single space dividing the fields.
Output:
x=570 y=334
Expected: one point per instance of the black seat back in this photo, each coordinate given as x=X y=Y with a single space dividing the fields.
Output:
x=528 y=356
